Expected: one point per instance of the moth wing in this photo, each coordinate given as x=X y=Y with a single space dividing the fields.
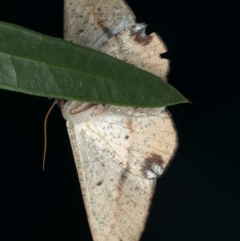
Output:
x=117 y=202
x=134 y=47
x=92 y=22
x=142 y=141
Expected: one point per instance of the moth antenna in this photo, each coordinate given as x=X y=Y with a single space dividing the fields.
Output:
x=45 y=134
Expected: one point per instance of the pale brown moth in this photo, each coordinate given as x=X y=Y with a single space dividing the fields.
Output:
x=119 y=151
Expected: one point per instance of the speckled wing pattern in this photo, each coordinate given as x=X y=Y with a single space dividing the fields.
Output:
x=119 y=151
x=92 y=22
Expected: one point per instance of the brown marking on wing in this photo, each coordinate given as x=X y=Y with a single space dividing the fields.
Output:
x=153 y=159
x=129 y=150
x=96 y=16
x=128 y=125
x=121 y=181
x=143 y=40
x=120 y=184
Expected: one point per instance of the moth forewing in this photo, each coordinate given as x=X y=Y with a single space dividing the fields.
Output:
x=117 y=202
x=92 y=22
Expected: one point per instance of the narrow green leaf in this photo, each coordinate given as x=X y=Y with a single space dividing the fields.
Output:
x=36 y=64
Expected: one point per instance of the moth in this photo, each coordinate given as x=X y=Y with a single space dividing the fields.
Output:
x=119 y=152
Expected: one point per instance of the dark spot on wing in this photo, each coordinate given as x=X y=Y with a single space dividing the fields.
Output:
x=151 y=161
x=99 y=183
x=143 y=40
x=126 y=137
x=122 y=178
x=154 y=158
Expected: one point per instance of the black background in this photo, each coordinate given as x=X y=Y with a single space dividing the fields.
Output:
x=198 y=198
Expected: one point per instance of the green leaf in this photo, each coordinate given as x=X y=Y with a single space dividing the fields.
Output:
x=36 y=64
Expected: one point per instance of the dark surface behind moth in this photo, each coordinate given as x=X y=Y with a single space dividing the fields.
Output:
x=198 y=196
